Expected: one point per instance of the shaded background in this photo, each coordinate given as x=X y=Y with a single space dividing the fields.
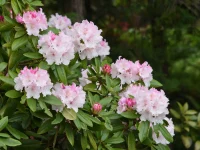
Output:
x=166 y=33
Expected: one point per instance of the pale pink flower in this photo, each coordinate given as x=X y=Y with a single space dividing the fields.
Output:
x=145 y=73
x=84 y=78
x=96 y=108
x=34 y=82
x=124 y=104
x=87 y=36
x=103 y=49
x=71 y=96
x=58 y=49
x=34 y=22
x=59 y=22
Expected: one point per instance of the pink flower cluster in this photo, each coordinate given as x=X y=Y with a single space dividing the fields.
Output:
x=125 y=104
x=88 y=40
x=34 y=21
x=34 y=82
x=59 y=22
x=129 y=72
x=58 y=49
x=71 y=96
x=151 y=104
x=160 y=138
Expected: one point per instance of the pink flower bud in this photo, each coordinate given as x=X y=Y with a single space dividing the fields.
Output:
x=130 y=102
x=1 y=18
x=19 y=19
x=96 y=108
x=107 y=69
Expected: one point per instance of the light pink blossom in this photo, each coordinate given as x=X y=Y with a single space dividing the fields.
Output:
x=71 y=96
x=34 y=82
x=34 y=22
x=19 y=19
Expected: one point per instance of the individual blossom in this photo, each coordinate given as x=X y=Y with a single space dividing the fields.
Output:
x=58 y=49
x=87 y=37
x=34 y=82
x=84 y=78
x=59 y=22
x=124 y=104
x=96 y=108
x=71 y=96
x=106 y=69
x=160 y=139
x=34 y=22
x=151 y=104
x=19 y=19
x=126 y=70
x=103 y=49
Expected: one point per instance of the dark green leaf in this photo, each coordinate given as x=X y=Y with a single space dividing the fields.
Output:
x=51 y=99
x=36 y=3
x=7 y=80
x=90 y=87
x=114 y=140
x=15 y=7
x=3 y=65
x=45 y=127
x=165 y=133
x=3 y=123
x=131 y=141
x=19 y=42
x=83 y=142
x=69 y=114
x=70 y=134
x=143 y=130
x=33 y=55
x=31 y=104
x=58 y=119
x=10 y=142
x=17 y=134
x=2 y=2
x=20 y=33
x=92 y=141
x=130 y=114
x=4 y=135
x=13 y=94
x=61 y=73
x=84 y=118
x=105 y=101
x=154 y=83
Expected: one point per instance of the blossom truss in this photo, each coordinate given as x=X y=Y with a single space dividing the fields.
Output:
x=34 y=82
x=151 y=104
x=34 y=21
x=58 y=49
x=89 y=43
x=60 y=22
x=71 y=96
x=129 y=72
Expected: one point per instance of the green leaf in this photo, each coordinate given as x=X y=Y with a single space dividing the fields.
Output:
x=19 y=42
x=165 y=133
x=58 y=119
x=17 y=134
x=108 y=81
x=45 y=127
x=70 y=134
x=2 y=2
x=187 y=141
x=5 y=26
x=23 y=99
x=15 y=7
x=131 y=141
x=143 y=130
x=20 y=33
x=13 y=94
x=3 y=123
x=98 y=64
x=105 y=101
x=69 y=114
x=154 y=83
x=31 y=104
x=175 y=113
x=90 y=87
x=44 y=65
x=61 y=73
x=83 y=142
x=129 y=114
x=33 y=55
x=44 y=106
x=108 y=126
x=12 y=74
x=36 y=3
x=7 y=80
x=114 y=140
x=10 y=142
x=4 y=135
x=191 y=112
x=197 y=145
x=3 y=65
x=84 y=118
x=161 y=147
x=51 y=99
x=92 y=141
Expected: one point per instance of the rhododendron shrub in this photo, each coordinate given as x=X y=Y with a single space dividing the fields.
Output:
x=60 y=90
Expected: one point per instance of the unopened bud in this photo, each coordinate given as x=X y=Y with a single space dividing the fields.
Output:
x=107 y=69
x=96 y=108
x=19 y=19
x=130 y=102
x=1 y=18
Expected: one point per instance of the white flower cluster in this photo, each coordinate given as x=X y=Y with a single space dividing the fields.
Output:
x=129 y=72
x=34 y=82
x=151 y=104
x=58 y=49
x=71 y=96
